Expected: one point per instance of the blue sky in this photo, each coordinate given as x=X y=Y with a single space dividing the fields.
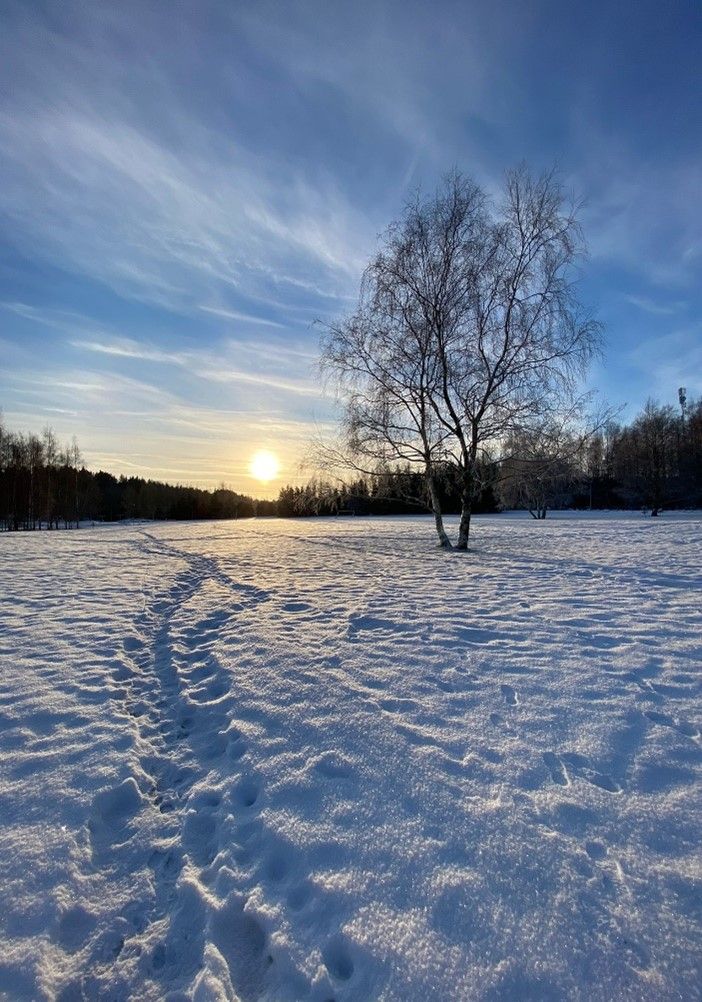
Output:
x=185 y=188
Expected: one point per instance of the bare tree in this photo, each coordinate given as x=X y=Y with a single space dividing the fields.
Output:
x=648 y=453
x=467 y=330
x=73 y=462
x=538 y=468
x=51 y=461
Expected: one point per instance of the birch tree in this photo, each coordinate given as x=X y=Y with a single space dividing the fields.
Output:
x=467 y=329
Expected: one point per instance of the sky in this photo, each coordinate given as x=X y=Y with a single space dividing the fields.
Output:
x=188 y=191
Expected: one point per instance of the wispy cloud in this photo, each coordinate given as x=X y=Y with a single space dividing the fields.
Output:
x=655 y=308
x=245 y=317
x=112 y=203
x=169 y=192
x=220 y=375
x=129 y=349
x=210 y=365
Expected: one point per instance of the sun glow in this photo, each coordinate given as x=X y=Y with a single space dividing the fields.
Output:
x=264 y=466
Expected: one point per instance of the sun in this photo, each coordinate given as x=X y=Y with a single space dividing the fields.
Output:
x=264 y=466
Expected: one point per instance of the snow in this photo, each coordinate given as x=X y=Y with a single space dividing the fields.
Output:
x=325 y=760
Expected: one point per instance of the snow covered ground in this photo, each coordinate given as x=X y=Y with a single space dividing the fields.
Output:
x=325 y=760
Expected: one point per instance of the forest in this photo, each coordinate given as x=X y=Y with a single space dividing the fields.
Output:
x=655 y=462
x=44 y=486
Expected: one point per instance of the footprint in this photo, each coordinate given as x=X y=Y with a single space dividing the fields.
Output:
x=241 y=940
x=375 y=683
x=209 y=693
x=165 y=862
x=333 y=766
x=236 y=750
x=74 y=927
x=276 y=867
x=659 y=718
x=393 y=705
x=185 y=726
x=446 y=686
x=158 y=957
x=635 y=953
x=212 y=623
x=337 y=959
x=509 y=694
x=299 y=896
x=199 y=831
x=122 y=672
x=132 y=643
x=247 y=793
x=602 y=780
x=582 y=768
x=682 y=726
x=114 y=807
x=556 y=768
x=596 y=850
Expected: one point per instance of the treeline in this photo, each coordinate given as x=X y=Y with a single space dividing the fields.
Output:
x=110 y=498
x=45 y=486
x=390 y=492
x=655 y=462
x=39 y=481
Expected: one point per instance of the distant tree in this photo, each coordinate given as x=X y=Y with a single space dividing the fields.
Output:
x=5 y=465
x=593 y=465
x=51 y=460
x=73 y=462
x=467 y=329
x=646 y=456
x=539 y=469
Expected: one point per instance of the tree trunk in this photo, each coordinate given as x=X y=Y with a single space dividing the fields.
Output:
x=466 y=510
x=444 y=541
x=464 y=525
x=538 y=512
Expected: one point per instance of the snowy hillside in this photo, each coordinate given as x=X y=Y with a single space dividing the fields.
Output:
x=325 y=760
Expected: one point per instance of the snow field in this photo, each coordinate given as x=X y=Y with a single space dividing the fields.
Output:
x=324 y=760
